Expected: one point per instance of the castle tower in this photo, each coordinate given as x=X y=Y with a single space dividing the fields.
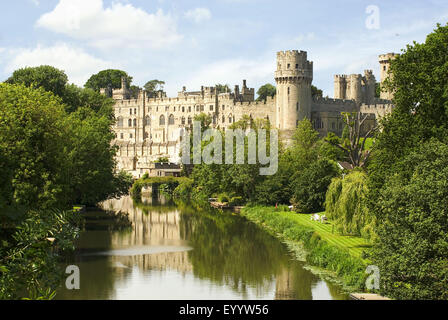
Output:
x=340 y=87
x=355 y=88
x=293 y=77
x=384 y=60
x=370 y=86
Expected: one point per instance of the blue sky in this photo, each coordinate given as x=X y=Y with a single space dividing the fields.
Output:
x=193 y=43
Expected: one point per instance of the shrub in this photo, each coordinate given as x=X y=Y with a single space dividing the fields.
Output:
x=236 y=201
x=223 y=198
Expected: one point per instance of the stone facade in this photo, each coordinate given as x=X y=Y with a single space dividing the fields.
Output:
x=151 y=127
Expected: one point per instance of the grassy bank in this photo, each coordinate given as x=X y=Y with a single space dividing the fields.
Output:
x=339 y=254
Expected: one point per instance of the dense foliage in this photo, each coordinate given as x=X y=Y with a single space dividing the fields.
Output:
x=412 y=248
x=407 y=176
x=110 y=78
x=310 y=186
x=55 y=151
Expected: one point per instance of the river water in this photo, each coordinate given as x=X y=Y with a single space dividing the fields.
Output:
x=177 y=251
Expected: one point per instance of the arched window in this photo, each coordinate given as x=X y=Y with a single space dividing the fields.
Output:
x=230 y=118
x=135 y=122
x=171 y=120
x=189 y=120
x=120 y=122
x=147 y=121
x=162 y=120
x=183 y=109
x=130 y=123
x=183 y=120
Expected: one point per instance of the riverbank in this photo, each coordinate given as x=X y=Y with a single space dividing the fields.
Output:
x=339 y=256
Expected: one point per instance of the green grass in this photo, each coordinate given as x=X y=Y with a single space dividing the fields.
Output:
x=355 y=245
x=324 y=249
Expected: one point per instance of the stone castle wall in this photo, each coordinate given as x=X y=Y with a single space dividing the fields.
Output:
x=148 y=128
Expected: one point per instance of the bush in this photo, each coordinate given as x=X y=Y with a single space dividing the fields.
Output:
x=223 y=198
x=236 y=201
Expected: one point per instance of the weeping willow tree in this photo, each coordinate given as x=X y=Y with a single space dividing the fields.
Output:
x=345 y=205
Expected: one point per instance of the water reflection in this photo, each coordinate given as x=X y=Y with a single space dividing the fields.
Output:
x=177 y=251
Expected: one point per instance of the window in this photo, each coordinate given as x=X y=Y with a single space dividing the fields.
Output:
x=174 y=109
x=288 y=90
x=120 y=122
x=162 y=120
x=131 y=136
x=297 y=106
x=135 y=122
x=183 y=120
x=384 y=68
x=147 y=121
x=211 y=107
x=333 y=126
x=189 y=120
x=121 y=135
x=135 y=111
x=129 y=123
x=171 y=120
x=189 y=109
x=130 y=111
x=230 y=119
x=297 y=66
x=183 y=109
x=157 y=109
x=223 y=119
x=223 y=107
x=289 y=66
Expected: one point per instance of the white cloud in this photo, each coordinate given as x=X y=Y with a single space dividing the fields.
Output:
x=198 y=15
x=77 y=64
x=112 y=27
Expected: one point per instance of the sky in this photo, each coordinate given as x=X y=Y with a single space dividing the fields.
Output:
x=205 y=42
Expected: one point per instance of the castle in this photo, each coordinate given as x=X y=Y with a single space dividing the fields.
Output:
x=151 y=127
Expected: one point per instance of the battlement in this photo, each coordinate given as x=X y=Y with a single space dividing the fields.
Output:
x=387 y=57
x=321 y=100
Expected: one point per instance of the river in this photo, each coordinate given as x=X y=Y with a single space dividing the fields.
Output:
x=177 y=251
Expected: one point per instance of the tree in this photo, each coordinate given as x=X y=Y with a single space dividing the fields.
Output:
x=154 y=86
x=310 y=185
x=46 y=77
x=91 y=173
x=107 y=79
x=32 y=136
x=412 y=243
x=346 y=205
x=353 y=145
x=265 y=91
x=418 y=80
x=76 y=97
x=315 y=92
x=222 y=88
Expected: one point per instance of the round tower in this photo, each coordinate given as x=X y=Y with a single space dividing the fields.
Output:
x=384 y=60
x=293 y=77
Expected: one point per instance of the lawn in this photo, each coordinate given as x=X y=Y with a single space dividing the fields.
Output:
x=355 y=245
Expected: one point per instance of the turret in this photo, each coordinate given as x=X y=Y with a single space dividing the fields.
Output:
x=293 y=77
x=385 y=60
